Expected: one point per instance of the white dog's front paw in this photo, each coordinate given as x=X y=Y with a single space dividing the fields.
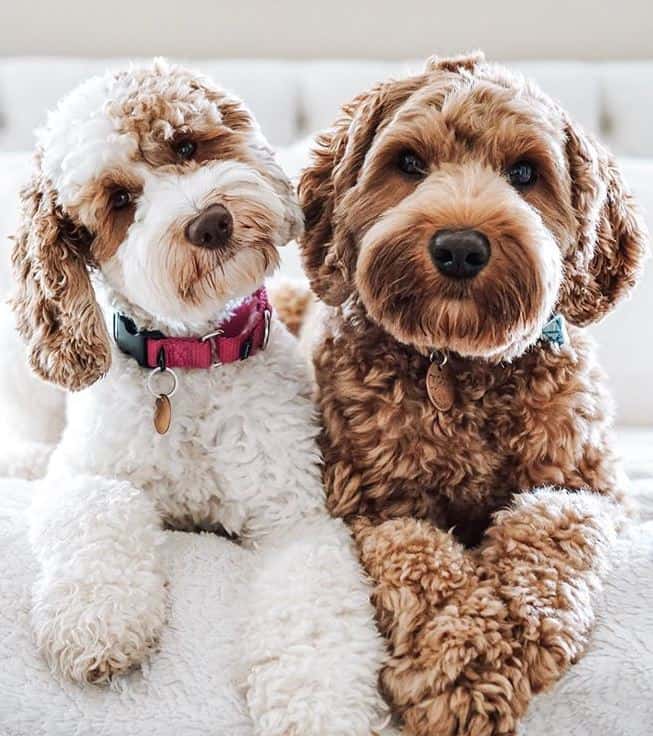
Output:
x=89 y=633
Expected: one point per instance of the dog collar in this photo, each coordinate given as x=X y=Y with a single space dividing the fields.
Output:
x=243 y=334
x=441 y=381
x=554 y=331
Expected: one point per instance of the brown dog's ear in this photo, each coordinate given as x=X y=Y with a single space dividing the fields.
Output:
x=612 y=238
x=467 y=62
x=55 y=305
x=328 y=251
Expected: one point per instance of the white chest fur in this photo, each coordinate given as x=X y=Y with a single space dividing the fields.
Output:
x=230 y=454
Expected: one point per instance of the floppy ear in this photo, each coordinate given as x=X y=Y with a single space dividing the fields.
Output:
x=612 y=238
x=293 y=218
x=55 y=305
x=467 y=62
x=327 y=246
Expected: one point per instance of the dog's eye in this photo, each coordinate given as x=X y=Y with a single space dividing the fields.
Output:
x=410 y=163
x=119 y=199
x=522 y=174
x=185 y=148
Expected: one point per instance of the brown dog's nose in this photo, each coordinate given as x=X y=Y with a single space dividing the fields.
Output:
x=211 y=228
x=460 y=254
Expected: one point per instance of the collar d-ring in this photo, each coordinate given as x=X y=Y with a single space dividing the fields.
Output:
x=438 y=357
x=162 y=371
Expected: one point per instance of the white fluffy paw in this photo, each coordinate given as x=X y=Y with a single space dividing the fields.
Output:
x=90 y=633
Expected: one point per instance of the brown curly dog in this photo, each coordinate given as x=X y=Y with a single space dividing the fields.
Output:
x=449 y=217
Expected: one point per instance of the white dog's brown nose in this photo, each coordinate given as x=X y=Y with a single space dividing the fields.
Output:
x=460 y=254
x=211 y=228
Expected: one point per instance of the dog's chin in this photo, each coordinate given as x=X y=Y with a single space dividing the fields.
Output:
x=457 y=328
x=234 y=277
x=484 y=339
x=236 y=273
x=191 y=289
x=491 y=325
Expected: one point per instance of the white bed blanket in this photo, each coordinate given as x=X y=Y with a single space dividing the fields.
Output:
x=188 y=687
x=185 y=689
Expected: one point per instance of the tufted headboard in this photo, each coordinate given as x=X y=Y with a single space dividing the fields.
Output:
x=294 y=98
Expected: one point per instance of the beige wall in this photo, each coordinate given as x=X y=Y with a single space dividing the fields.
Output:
x=582 y=29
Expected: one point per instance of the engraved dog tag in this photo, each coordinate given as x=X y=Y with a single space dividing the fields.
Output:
x=162 y=414
x=440 y=386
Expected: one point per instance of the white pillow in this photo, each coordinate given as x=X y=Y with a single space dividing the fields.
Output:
x=625 y=336
x=15 y=171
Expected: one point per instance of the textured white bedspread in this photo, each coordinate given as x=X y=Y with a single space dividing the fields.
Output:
x=610 y=691
x=189 y=686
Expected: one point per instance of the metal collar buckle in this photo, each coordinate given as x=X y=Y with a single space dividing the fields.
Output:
x=215 y=362
x=266 y=334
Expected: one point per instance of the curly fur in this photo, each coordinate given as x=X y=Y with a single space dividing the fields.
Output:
x=241 y=452
x=119 y=132
x=486 y=528
x=55 y=306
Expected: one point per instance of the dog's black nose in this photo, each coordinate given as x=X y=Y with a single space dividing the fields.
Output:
x=460 y=254
x=211 y=228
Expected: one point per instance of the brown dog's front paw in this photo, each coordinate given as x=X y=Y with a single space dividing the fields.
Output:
x=456 y=666
x=482 y=703
x=410 y=555
x=460 y=712
x=461 y=674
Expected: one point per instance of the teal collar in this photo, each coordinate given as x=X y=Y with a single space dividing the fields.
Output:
x=554 y=331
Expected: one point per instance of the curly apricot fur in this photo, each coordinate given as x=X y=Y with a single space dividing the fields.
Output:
x=487 y=529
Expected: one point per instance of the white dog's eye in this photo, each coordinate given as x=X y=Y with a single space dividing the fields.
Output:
x=119 y=199
x=186 y=148
x=410 y=163
x=522 y=174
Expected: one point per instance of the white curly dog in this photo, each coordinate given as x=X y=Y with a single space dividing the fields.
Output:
x=154 y=215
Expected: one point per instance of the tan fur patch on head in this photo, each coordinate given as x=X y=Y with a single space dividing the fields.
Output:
x=218 y=143
x=108 y=224
x=164 y=103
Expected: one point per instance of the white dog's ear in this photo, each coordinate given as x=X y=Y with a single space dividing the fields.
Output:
x=294 y=219
x=55 y=304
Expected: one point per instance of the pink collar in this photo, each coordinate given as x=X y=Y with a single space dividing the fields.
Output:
x=245 y=333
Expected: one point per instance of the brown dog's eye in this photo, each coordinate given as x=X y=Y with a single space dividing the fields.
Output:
x=185 y=149
x=522 y=174
x=119 y=199
x=410 y=163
